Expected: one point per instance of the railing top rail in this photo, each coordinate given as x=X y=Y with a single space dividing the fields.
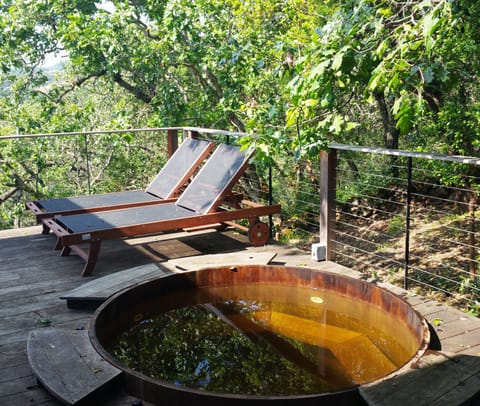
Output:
x=85 y=132
x=344 y=147
x=408 y=154
x=214 y=131
x=123 y=131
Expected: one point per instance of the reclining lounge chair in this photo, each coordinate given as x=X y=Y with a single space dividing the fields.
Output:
x=166 y=185
x=203 y=203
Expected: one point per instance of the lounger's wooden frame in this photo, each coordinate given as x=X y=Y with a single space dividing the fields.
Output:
x=41 y=214
x=222 y=211
x=68 y=241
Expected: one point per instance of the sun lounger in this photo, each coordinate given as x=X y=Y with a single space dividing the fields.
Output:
x=204 y=202
x=167 y=184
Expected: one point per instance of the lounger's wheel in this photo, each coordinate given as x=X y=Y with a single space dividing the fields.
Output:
x=258 y=234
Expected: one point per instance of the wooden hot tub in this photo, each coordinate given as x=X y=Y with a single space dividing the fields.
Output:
x=256 y=334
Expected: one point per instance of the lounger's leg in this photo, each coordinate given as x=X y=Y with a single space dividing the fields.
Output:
x=58 y=245
x=92 y=257
x=45 y=229
x=66 y=251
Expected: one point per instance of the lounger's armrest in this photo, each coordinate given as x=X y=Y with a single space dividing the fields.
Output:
x=33 y=207
x=56 y=228
x=37 y=211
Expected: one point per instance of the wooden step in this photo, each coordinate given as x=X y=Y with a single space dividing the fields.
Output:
x=95 y=292
x=67 y=365
x=225 y=259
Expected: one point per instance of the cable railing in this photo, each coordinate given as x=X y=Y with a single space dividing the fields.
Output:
x=409 y=218
x=38 y=166
x=414 y=221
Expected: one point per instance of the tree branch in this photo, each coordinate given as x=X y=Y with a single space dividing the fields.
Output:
x=138 y=93
x=8 y=194
x=79 y=82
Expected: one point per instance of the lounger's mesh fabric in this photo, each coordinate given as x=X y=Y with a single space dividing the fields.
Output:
x=181 y=161
x=204 y=193
x=106 y=220
x=95 y=201
x=163 y=186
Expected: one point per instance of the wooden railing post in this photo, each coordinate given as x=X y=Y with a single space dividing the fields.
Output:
x=172 y=141
x=328 y=168
x=191 y=133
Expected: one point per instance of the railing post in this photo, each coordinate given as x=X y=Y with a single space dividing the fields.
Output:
x=172 y=141
x=193 y=134
x=270 y=198
x=407 y=223
x=328 y=168
x=87 y=159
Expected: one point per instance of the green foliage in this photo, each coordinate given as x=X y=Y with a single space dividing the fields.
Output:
x=296 y=74
x=310 y=72
x=404 y=60
x=396 y=225
x=57 y=167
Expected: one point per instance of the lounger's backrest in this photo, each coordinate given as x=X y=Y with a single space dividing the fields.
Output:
x=179 y=168
x=215 y=179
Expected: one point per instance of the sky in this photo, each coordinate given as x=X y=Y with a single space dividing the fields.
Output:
x=51 y=59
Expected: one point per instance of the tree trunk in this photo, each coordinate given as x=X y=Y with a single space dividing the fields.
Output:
x=390 y=131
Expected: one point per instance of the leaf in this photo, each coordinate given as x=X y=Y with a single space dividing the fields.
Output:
x=291 y=117
x=404 y=114
x=385 y=11
x=336 y=125
x=429 y=25
x=310 y=102
x=348 y=62
x=318 y=70
x=428 y=75
x=337 y=60
x=382 y=47
x=374 y=81
x=351 y=125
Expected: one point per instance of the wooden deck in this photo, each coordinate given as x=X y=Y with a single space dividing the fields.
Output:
x=33 y=277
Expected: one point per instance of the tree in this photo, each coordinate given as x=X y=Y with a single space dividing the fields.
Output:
x=390 y=63
x=206 y=63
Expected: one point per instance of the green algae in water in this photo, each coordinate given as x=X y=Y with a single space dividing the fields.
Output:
x=258 y=347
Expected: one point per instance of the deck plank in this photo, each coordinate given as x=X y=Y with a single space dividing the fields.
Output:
x=233 y=258
x=438 y=376
x=97 y=291
x=33 y=277
x=67 y=365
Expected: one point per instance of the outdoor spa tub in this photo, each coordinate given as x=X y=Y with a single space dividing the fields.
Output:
x=256 y=334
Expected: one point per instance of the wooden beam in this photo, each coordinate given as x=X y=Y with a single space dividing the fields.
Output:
x=172 y=141
x=328 y=172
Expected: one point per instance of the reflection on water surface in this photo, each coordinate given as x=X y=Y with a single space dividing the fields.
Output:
x=264 y=339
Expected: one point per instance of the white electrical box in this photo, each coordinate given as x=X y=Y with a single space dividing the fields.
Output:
x=319 y=252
